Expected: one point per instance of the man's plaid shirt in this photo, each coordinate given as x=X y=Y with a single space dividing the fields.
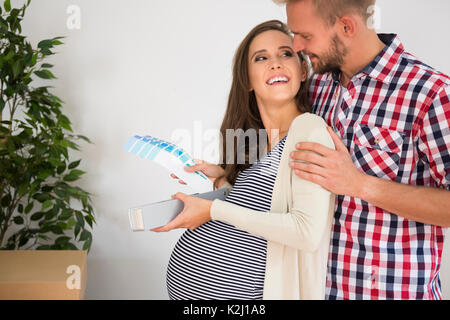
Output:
x=394 y=119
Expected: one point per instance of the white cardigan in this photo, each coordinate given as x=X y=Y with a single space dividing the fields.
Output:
x=298 y=226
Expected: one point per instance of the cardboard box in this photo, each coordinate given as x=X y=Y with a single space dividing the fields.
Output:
x=42 y=274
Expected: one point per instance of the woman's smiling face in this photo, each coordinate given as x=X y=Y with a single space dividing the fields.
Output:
x=275 y=70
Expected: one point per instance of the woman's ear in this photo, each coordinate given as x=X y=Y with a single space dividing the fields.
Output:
x=304 y=71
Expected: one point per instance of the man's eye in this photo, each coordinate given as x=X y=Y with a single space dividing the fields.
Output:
x=305 y=37
x=287 y=53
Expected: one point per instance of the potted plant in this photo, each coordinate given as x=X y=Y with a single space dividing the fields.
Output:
x=40 y=205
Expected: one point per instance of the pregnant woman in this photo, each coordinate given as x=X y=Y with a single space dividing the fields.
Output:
x=270 y=237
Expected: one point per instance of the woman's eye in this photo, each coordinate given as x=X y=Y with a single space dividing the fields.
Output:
x=284 y=54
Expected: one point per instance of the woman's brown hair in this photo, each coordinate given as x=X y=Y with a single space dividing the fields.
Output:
x=242 y=110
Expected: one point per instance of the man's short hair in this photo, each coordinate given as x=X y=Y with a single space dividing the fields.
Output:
x=331 y=10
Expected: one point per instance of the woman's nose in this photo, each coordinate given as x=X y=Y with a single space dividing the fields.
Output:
x=276 y=64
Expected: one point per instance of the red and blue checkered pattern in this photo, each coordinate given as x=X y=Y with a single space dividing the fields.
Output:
x=394 y=119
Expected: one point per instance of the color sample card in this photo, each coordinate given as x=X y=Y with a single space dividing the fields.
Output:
x=153 y=215
x=170 y=156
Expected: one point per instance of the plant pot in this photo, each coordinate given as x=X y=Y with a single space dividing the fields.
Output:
x=42 y=274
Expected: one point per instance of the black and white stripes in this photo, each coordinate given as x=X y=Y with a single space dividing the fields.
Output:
x=218 y=261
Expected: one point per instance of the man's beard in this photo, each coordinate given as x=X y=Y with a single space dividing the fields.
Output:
x=332 y=60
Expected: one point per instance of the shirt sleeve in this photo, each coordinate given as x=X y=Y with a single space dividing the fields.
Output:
x=434 y=138
x=304 y=226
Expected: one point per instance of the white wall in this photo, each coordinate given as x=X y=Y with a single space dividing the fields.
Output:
x=151 y=67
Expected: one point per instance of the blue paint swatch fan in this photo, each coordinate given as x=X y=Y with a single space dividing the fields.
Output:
x=170 y=156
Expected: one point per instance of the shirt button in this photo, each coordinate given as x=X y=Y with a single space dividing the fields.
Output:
x=377 y=141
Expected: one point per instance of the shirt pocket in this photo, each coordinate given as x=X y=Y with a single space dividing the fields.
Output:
x=377 y=150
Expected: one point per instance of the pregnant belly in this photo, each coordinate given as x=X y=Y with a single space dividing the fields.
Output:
x=217 y=261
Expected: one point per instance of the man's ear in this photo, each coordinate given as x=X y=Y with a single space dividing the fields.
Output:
x=347 y=26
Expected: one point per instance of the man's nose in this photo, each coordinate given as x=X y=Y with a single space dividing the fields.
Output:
x=298 y=44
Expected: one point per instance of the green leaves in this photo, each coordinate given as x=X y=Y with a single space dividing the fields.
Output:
x=18 y=220
x=87 y=237
x=84 y=235
x=37 y=216
x=80 y=219
x=47 y=204
x=50 y=43
x=2 y=104
x=44 y=74
x=8 y=56
x=29 y=207
x=62 y=240
x=46 y=45
x=66 y=214
x=73 y=175
x=17 y=68
x=38 y=189
x=45 y=174
x=56 y=229
x=7 y=5
x=74 y=164
x=6 y=200
x=64 y=122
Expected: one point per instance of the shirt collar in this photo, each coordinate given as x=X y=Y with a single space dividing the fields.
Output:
x=382 y=67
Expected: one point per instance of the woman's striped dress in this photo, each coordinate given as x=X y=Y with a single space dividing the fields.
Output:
x=218 y=261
